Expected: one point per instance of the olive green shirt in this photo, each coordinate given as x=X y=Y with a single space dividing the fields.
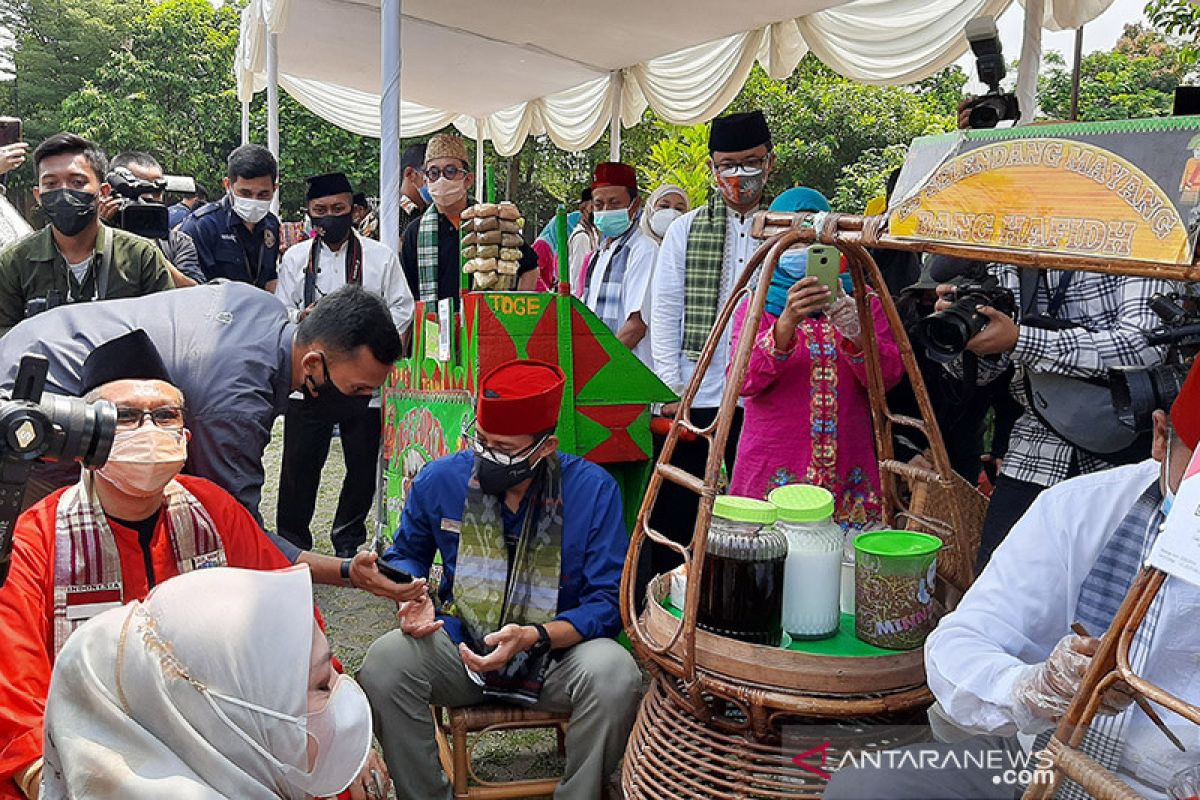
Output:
x=32 y=266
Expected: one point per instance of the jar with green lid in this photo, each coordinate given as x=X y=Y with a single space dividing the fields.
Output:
x=813 y=574
x=741 y=594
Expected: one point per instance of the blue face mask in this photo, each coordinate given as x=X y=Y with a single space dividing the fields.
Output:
x=792 y=266
x=424 y=192
x=612 y=223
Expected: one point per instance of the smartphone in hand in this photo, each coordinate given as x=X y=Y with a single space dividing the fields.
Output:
x=10 y=130
x=824 y=264
x=392 y=574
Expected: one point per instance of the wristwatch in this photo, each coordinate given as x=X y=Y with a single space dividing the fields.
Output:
x=345 y=570
x=542 y=644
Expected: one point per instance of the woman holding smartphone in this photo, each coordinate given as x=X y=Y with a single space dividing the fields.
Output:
x=808 y=415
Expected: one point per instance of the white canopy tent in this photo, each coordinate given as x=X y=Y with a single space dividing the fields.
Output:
x=504 y=70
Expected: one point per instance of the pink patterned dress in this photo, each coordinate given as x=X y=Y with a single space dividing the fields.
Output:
x=808 y=416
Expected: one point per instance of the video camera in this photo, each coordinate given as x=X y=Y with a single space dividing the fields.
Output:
x=946 y=333
x=142 y=210
x=1137 y=392
x=995 y=106
x=52 y=428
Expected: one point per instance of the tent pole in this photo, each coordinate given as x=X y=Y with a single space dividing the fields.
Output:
x=390 y=177
x=480 y=175
x=614 y=127
x=246 y=122
x=1031 y=60
x=273 y=103
x=1076 y=71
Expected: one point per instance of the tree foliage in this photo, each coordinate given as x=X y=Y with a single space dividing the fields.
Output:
x=1137 y=78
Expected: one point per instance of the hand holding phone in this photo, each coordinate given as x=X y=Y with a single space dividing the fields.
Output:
x=824 y=264
x=392 y=574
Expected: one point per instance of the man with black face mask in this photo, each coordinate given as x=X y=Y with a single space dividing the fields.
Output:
x=532 y=543
x=308 y=271
x=75 y=258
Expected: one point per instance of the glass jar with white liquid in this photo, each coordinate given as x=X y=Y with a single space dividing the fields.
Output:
x=813 y=571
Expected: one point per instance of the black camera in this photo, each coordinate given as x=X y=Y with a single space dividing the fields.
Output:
x=142 y=211
x=52 y=428
x=1137 y=392
x=945 y=334
x=995 y=106
x=53 y=299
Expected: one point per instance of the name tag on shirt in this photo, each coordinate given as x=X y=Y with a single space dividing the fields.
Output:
x=452 y=525
x=1176 y=551
x=85 y=602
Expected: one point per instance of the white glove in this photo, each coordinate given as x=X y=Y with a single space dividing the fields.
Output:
x=1043 y=691
x=844 y=316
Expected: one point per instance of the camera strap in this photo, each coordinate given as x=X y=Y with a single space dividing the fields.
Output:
x=1028 y=280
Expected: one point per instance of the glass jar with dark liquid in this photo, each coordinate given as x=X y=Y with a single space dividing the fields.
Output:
x=741 y=592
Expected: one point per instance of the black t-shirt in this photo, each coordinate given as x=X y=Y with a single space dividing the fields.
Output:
x=449 y=258
x=145 y=532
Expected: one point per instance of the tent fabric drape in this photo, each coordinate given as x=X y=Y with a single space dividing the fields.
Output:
x=537 y=67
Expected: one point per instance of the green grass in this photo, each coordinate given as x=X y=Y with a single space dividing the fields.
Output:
x=354 y=619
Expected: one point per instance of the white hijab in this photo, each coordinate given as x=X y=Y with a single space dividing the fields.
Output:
x=652 y=200
x=122 y=722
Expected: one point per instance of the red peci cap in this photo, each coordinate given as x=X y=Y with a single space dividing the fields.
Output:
x=520 y=398
x=1185 y=411
x=614 y=173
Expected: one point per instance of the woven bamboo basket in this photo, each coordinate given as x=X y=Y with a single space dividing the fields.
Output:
x=671 y=754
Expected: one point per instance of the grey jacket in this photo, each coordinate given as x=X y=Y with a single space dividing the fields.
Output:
x=227 y=346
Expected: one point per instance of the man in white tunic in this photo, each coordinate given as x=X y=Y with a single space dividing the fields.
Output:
x=307 y=272
x=618 y=277
x=1006 y=663
x=701 y=257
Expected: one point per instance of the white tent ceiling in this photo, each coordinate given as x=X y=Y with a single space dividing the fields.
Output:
x=563 y=67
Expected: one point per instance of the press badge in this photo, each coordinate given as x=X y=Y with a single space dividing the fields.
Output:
x=451 y=525
x=85 y=602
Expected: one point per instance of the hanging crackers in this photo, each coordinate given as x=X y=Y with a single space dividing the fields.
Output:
x=492 y=245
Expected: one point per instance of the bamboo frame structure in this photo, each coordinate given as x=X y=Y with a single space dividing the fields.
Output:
x=942 y=503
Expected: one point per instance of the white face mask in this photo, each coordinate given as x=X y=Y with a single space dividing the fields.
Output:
x=447 y=193
x=341 y=729
x=144 y=460
x=249 y=209
x=661 y=219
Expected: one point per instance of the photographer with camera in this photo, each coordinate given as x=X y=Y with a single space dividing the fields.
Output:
x=1063 y=331
x=137 y=181
x=75 y=258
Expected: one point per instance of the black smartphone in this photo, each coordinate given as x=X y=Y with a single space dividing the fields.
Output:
x=10 y=130
x=392 y=574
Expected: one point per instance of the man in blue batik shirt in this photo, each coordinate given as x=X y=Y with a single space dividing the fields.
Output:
x=533 y=543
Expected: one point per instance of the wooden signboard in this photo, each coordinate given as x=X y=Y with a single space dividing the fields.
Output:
x=1126 y=190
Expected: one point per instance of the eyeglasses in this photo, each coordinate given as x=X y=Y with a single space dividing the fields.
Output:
x=450 y=173
x=130 y=418
x=749 y=163
x=502 y=457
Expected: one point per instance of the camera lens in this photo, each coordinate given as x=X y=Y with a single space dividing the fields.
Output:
x=986 y=113
x=79 y=431
x=1138 y=392
x=946 y=333
x=943 y=334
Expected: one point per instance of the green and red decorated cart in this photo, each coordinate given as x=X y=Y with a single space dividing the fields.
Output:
x=429 y=397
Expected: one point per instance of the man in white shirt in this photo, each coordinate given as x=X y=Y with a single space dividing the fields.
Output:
x=1005 y=662
x=701 y=257
x=307 y=272
x=618 y=277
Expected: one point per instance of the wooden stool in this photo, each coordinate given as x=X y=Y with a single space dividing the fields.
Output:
x=453 y=725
